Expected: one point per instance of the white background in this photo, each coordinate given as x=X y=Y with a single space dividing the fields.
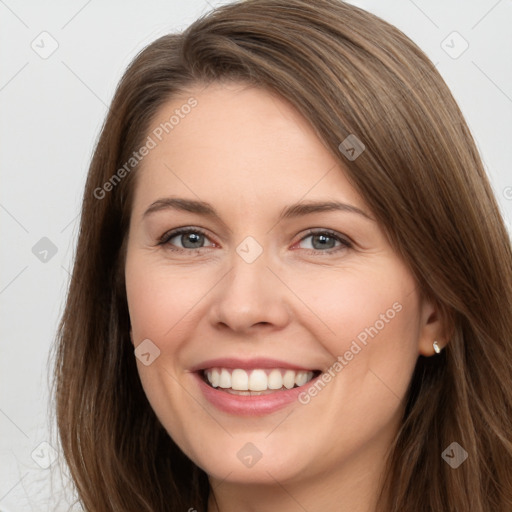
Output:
x=52 y=110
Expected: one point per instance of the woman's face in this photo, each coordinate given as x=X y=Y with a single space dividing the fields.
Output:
x=265 y=290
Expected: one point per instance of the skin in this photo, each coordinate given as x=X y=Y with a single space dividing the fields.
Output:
x=250 y=154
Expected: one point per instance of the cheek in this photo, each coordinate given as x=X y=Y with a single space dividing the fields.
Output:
x=158 y=303
x=353 y=304
x=157 y=298
x=370 y=325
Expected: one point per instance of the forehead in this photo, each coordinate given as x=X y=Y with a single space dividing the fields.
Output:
x=238 y=142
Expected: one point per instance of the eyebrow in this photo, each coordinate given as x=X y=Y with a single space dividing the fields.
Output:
x=295 y=210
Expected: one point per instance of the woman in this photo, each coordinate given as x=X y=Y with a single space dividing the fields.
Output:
x=293 y=286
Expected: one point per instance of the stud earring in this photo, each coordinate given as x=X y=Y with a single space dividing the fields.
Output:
x=437 y=348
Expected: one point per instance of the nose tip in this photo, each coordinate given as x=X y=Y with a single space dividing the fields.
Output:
x=249 y=296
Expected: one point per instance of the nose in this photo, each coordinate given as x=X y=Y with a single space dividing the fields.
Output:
x=249 y=298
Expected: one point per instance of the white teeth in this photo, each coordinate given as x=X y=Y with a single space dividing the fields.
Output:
x=289 y=379
x=214 y=378
x=225 y=379
x=301 y=378
x=275 y=380
x=240 y=380
x=257 y=379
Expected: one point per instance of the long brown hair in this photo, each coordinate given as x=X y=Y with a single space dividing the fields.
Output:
x=347 y=72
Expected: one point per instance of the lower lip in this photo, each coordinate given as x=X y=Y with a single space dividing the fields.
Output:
x=243 y=405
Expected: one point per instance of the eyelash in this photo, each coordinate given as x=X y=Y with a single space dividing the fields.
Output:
x=345 y=244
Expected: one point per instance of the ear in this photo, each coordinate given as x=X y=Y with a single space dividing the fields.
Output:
x=435 y=325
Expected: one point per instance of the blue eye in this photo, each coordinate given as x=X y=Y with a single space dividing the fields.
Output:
x=325 y=241
x=193 y=239
x=190 y=238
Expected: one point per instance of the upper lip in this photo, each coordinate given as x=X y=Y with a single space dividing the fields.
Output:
x=248 y=364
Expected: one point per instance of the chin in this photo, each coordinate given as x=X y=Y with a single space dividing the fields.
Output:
x=243 y=461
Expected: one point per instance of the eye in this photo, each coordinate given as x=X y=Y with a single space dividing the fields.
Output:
x=325 y=241
x=189 y=238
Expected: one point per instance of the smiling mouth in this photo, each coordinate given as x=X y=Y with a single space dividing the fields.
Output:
x=254 y=382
